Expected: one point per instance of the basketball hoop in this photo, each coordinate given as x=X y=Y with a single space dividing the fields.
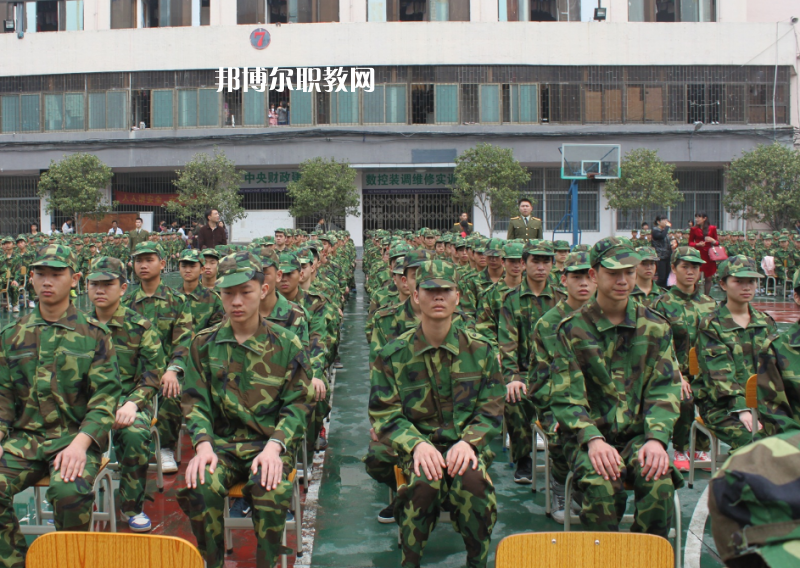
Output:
x=592 y=176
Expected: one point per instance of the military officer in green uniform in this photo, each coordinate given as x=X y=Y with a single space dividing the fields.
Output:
x=524 y=226
x=59 y=387
x=141 y=364
x=615 y=393
x=437 y=398
x=247 y=400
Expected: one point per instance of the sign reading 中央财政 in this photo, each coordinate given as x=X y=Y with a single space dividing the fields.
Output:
x=306 y=79
x=266 y=181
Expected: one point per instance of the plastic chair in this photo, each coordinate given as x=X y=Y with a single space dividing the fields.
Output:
x=751 y=400
x=231 y=523
x=694 y=364
x=583 y=550
x=104 y=492
x=674 y=533
x=99 y=550
x=539 y=431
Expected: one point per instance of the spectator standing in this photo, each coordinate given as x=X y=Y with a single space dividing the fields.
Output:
x=661 y=242
x=703 y=236
x=212 y=233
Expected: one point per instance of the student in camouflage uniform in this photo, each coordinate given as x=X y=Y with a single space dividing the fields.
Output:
x=26 y=258
x=59 y=387
x=779 y=377
x=437 y=399
x=210 y=263
x=170 y=314
x=204 y=303
x=561 y=250
x=646 y=290
x=521 y=308
x=684 y=306
x=242 y=433
x=141 y=364
x=9 y=272
x=580 y=289
x=728 y=344
x=491 y=304
x=384 y=296
x=616 y=393
x=754 y=506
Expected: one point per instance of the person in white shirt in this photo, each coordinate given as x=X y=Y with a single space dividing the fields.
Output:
x=114 y=230
x=67 y=227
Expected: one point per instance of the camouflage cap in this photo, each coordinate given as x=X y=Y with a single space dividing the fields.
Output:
x=753 y=507
x=414 y=258
x=429 y=233
x=148 y=247
x=213 y=253
x=399 y=265
x=559 y=246
x=782 y=239
x=56 y=256
x=647 y=253
x=269 y=258
x=398 y=250
x=305 y=256
x=437 y=273
x=740 y=266
x=328 y=237
x=460 y=242
x=513 y=250
x=614 y=254
x=689 y=254
x=494 y=247
x=7 y=239
x=577 y=261
x=540 y=248
x=107 y=268
x=288 y=262
x=281 y=231
x=191 y=255
x=22 y=238
x=237 y=268
x=268 y=240
x=581 y=248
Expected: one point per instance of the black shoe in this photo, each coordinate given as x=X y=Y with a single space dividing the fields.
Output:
x=524 y=473
x=387 y=515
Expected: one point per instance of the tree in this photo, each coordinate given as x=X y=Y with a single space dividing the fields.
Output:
x=326 y=189
x=205 y=183
x=488 y=177
x=75 y=186
x=764 y=186
x=645 y=182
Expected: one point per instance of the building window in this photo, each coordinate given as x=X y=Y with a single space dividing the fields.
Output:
x=251 y=12
x=123 y=14
x=107 y=110
x=672 y=11
x=302 y=111
x=166 y=13
x=422 y=103
x=162 y=108
x=418 y=10
x=20 y=113
x=254 y=108
x=63 y=111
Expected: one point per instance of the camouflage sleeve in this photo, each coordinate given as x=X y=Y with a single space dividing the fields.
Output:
x=568 y=395
x=508 y=340
x=218 y=312
x=317 y=331
x=196 y=398
x=485 y=323
x=661 y=394
x=487 y=418
x=386 y=409
x=7 y=398
x=301 y=329
x=182 y=333
x=681 y=340
x=104 y=390
x=718 y=387
x=539 y=368
x=297 y=397
x=151 y=365
x=467 y=301
x=774 y=409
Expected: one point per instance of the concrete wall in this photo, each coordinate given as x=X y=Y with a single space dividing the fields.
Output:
x=259 y=224
x=399 y=43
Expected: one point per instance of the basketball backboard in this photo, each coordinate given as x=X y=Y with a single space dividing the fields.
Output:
x=584 y=161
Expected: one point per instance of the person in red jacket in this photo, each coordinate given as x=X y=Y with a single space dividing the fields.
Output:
x=703 y=236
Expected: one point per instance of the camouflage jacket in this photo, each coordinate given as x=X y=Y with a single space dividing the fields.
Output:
x=615 y=381
x=170 y=313
x=488 y=313
x=728 y=355
x=390 y=323
x=684 y=313
x=323 y=324
x=291 y=316
x=439 y=395
x=383 y=297
x=9 y=268
x=238 y=397
x=647 y=299
x=519 y=312
x=139 y=354
x=56 y=380
x=779 y=382
x=545 y=344
x=205 y=306
x=480 y=284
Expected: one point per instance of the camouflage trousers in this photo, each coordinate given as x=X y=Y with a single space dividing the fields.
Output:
x=680 y=435
x=559 y=468
x=519 y=416
x=379 y=462
x=204 y=507
x=170 y=418
x=604 y=501
x=13 y=292
x=470 y=499
x=728 y=428
x=72 y=502
x=132 y=447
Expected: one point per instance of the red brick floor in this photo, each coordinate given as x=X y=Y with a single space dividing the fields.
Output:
x=782 y=311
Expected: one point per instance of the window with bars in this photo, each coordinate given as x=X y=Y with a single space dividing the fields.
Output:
x=272 y=199
x=672 y=11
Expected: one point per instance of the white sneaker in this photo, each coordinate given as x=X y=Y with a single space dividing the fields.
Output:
x=168 y=463
x=702 y=457
x=139 y=523
x=540 y=443
x=15 y=309
x=31 y=304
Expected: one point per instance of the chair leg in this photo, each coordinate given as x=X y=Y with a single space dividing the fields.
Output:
x=568 y=503
x=535 y=456
x=298 y=520
x=306 y=471
x=548 y=506
x=678 y=529
x=692 y=444
x=283 y=542
x=159 y=465
x=226 y=514
x=715 y=448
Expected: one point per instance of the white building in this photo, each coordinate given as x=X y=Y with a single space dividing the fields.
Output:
x=526 y=74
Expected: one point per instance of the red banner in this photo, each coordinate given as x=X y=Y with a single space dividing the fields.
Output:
x=154 y=199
